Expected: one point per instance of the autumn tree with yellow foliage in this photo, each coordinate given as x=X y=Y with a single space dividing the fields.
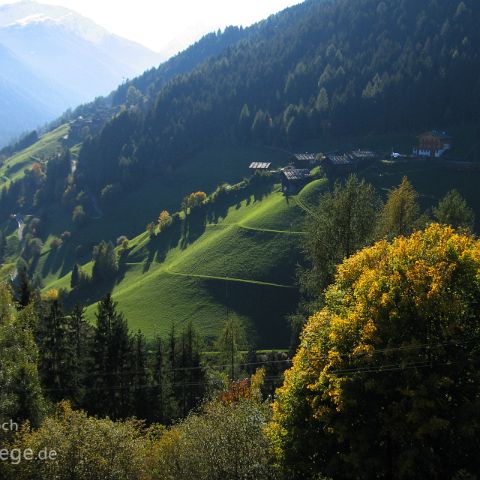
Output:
x=386 y=382
x=401 y=213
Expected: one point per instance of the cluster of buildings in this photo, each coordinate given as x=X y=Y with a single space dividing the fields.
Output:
x=89 y=124
x=298 y=173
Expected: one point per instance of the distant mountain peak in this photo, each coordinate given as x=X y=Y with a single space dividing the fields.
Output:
x=30 y=13
x=54 y=58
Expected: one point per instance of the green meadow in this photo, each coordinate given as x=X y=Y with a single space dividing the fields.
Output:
x=49 y=144
x=236 y=260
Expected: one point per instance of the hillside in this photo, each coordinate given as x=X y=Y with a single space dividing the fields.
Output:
x=237 y=260
x=319 y=68
x=301 y=80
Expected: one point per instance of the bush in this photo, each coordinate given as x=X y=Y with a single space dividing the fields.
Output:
x=86 y=448
x=224 y=441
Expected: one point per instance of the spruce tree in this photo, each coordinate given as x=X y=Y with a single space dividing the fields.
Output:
x=56 y=353
x=80 y=333
x=141 y=379
x=190 y=378
x=110 y=389
x=163 y=399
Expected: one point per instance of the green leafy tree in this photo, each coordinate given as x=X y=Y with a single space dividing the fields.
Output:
x=453 y=210
x=105 y=259
x=86 y=448
x=223 y=441
x=21 y=395
x=341 y=223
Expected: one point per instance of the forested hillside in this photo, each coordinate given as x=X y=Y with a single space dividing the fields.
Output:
x=337 y=66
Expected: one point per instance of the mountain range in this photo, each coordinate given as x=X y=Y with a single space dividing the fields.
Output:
x=53 y=58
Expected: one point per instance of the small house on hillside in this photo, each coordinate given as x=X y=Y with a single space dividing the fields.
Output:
x=294 y=179
x=433 y=144
x=304 y=160
x=260 y=166
x=341 y=163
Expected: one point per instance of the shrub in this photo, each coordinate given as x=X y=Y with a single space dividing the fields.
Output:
x=86 y=448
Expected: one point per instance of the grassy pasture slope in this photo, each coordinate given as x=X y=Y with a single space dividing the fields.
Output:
x=50 y=143
x=241 y=260
x=130 y=214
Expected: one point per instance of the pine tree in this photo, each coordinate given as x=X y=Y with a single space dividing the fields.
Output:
x=163 y=399
x=80 y=332
x=141 y=379
x=110 y=389
x=56 y=353
x=190 y=378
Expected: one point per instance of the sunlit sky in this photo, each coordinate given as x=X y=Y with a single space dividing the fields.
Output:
x=170 y=24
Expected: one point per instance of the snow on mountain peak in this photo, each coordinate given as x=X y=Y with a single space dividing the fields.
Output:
x=30 y=13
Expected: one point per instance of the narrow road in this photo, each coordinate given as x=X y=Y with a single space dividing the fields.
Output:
x=21 y=227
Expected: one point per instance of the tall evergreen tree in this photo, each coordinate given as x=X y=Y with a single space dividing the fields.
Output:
x=164 y=404
x=190 y=377
x=56 y=352
x=141 y=378
x=81 y=333
x=230 y=343
x=110 y=389
x=342 y=222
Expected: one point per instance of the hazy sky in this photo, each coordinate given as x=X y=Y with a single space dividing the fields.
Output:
x=171 y=24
